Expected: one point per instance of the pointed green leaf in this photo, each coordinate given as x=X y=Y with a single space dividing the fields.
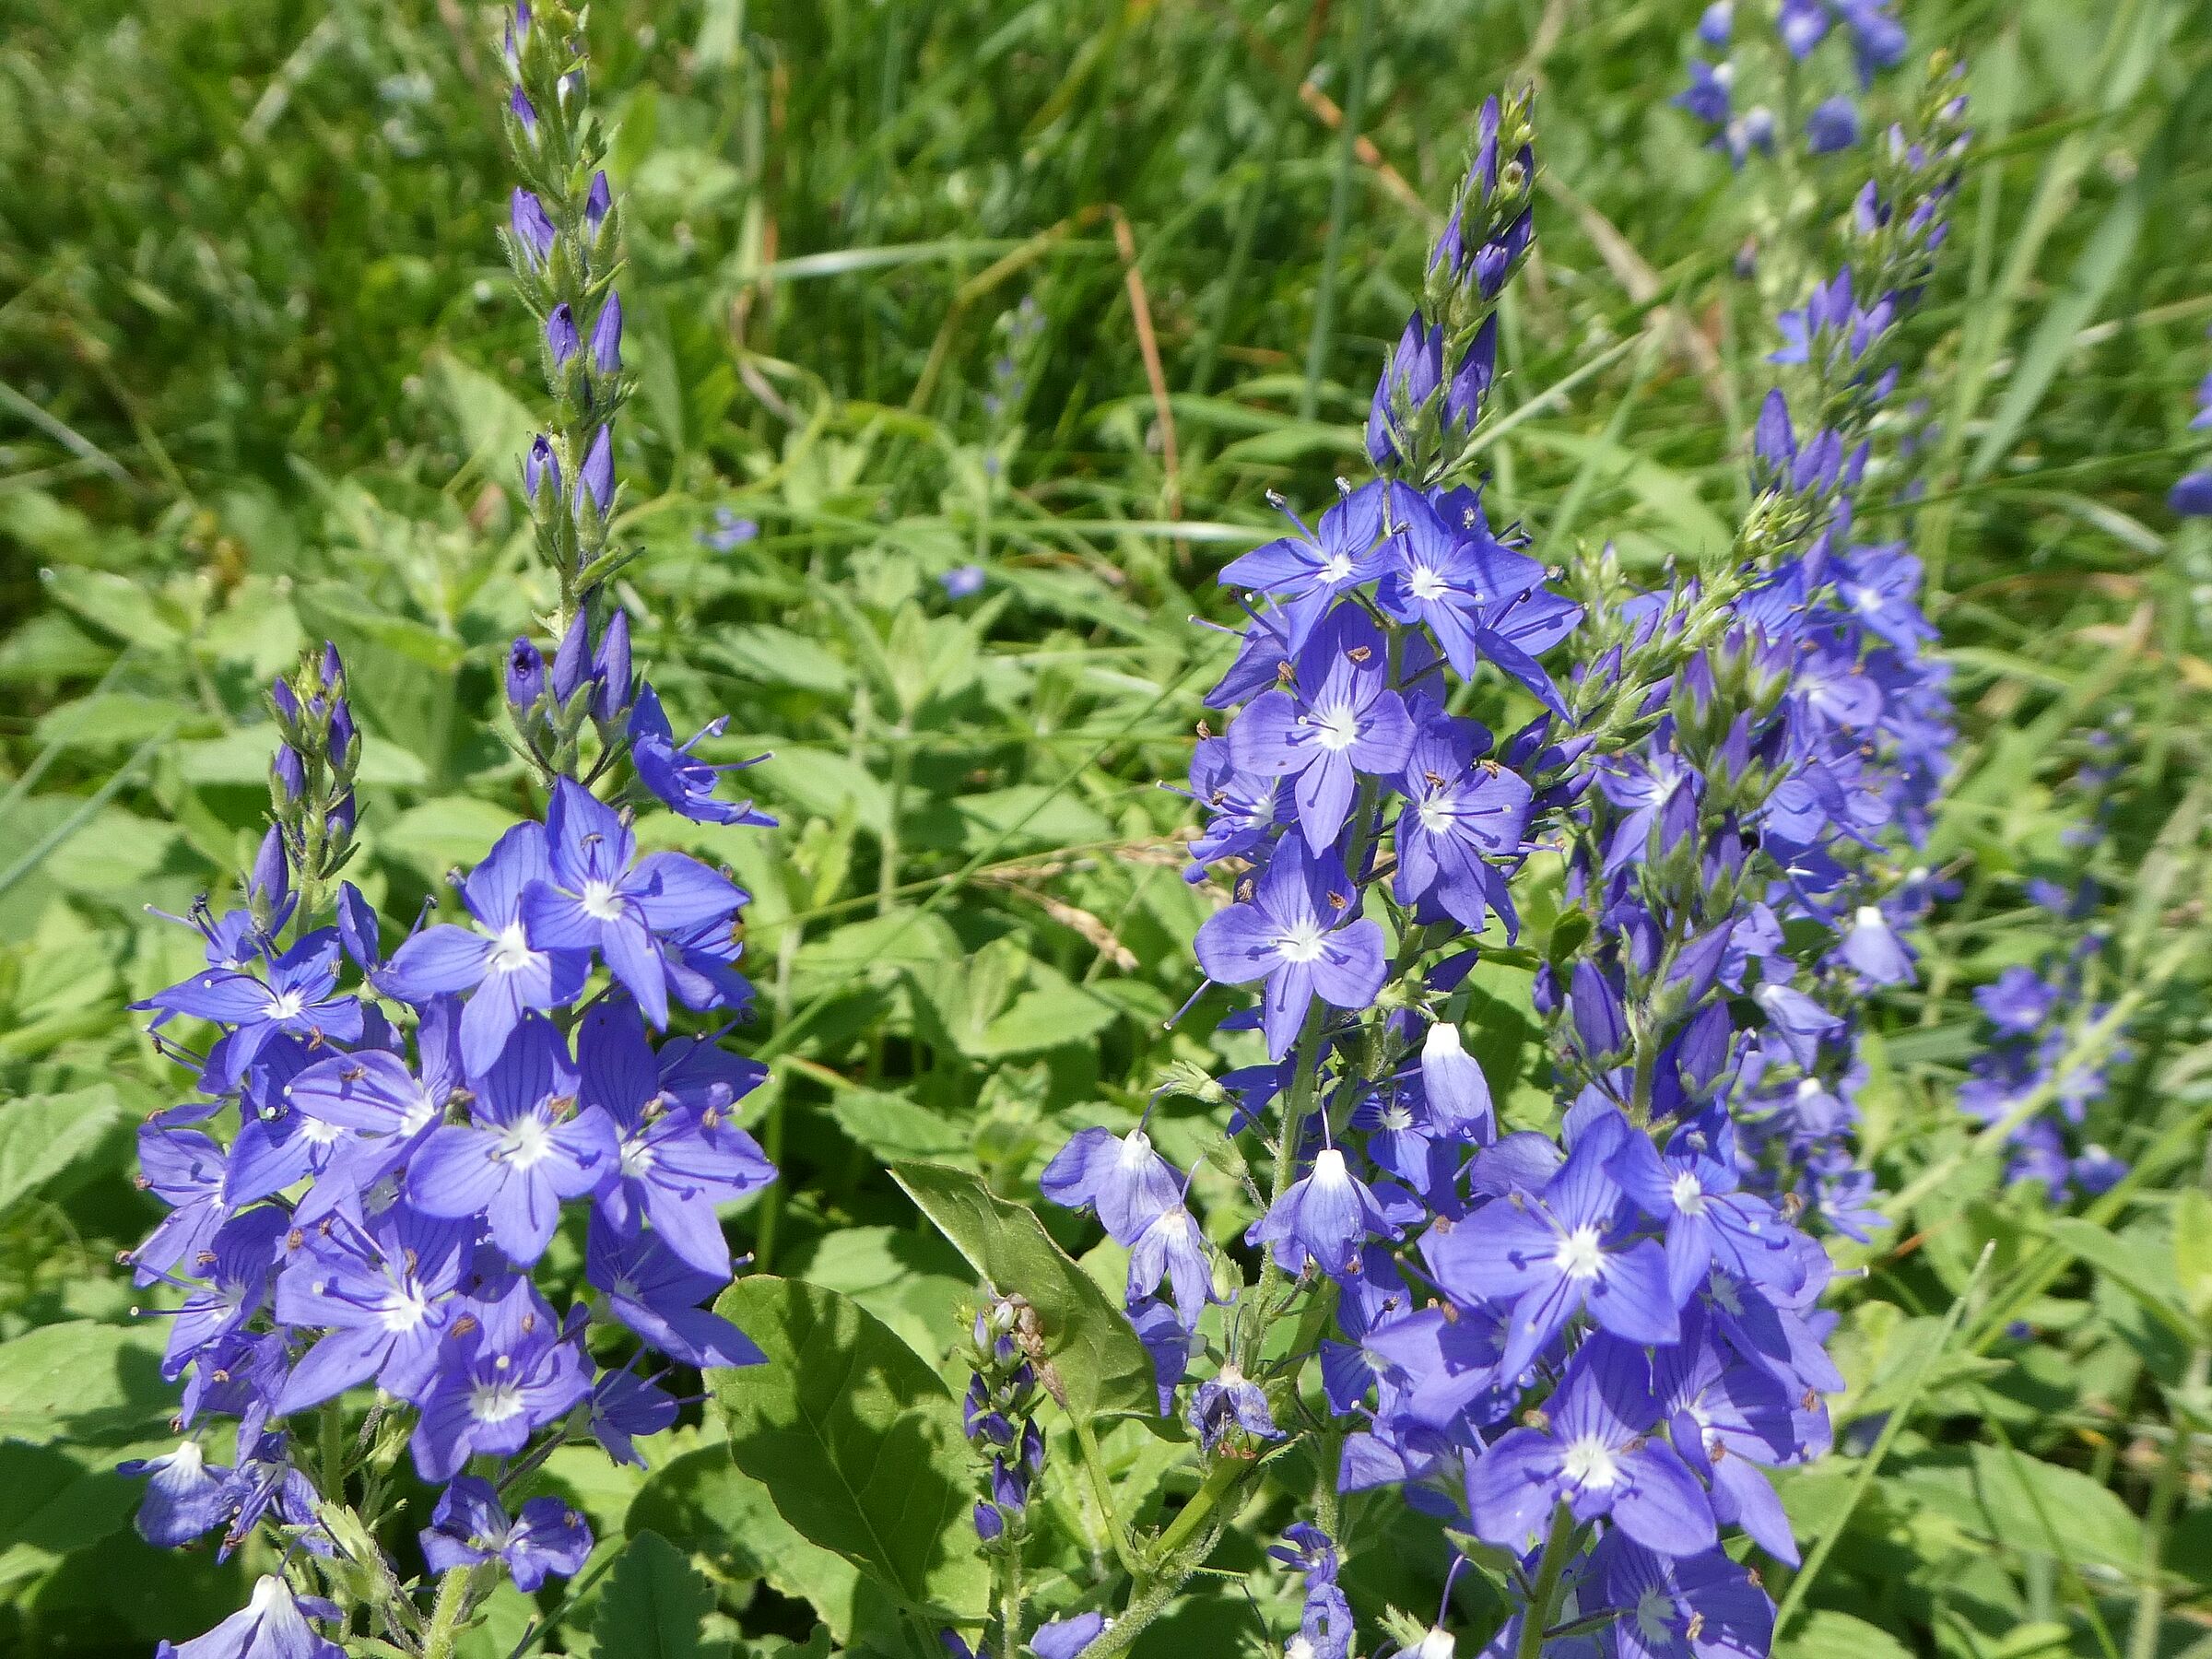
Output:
x=1099 y=1361
x=857 y=1441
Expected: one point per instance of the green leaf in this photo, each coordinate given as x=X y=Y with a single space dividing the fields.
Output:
x=713 y=1510
x=762 y=653
x=858 y=1442
x=43 y=1135
x=82 y=1380
x=891 y=1127
x=2047 y=1508
x=908 y=1278
x=2130 y=1263
x=2191 y=1249
x=654 y=1604
x=57 y=1499
x=1094 y=1355
x=1826 y=1634
x=453 y=832
x=494 y=425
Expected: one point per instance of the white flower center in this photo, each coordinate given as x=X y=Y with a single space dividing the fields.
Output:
x=1425 y=583
x=1870 y=916
x=1808 y=1088
x=1329 y=1170
x=286 y=1006
x=636 y=1156
x=525 y=1141
x=188 y=1457
x=1655 y=1611
x=405 y=1308
x=601 y=902
x=1336 y=729
x=494 y=1402
x=1437 y=1644
x=510 y=950
x=1590 y=1463
x=317 y=1133
x=1578 y=1256
x=1301 y=944
x=1136 y=1149
x=1688 y=1196
x=1434 y=813
x=1397 y=1117
x=1338 y=569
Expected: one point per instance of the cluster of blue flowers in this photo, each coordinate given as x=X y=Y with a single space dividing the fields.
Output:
x=1719 y=83
x=408 y=1131
x=2029 y=1060
x=1581 y=1349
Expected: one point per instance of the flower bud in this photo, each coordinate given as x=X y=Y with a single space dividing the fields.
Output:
x=526 y=678
x=606 y=338
x=541 y=467
x=269 y=883
x=610 y=668
x=596 y=477
x=571 y=661
x=287 y=778
x=344 y=739
x=532 y=231
x=561 y=335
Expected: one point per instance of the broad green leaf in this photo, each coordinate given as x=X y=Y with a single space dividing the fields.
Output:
x=1095 y=1356
x=713 y=1510
x=43 y=1135
x=909 y=1278
x=130 y=611
x=762 y=653
x=494 y=425
x=892 y=1127
x=1826 y=1634
x=81 y=1381
x=654 y=1604
x=857 y=1441
x=57 y=1499
x=2049 y=1509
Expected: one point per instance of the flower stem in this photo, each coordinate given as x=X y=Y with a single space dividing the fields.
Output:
x=446 y=1614
x=1009 y=1601
x=1536 y=1615
x=1096 y=1466
x=1226 y=1474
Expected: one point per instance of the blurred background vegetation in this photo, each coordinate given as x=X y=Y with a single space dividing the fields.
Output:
x=1058 y=290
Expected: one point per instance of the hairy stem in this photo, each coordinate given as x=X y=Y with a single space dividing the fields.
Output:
x=446 y=1614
